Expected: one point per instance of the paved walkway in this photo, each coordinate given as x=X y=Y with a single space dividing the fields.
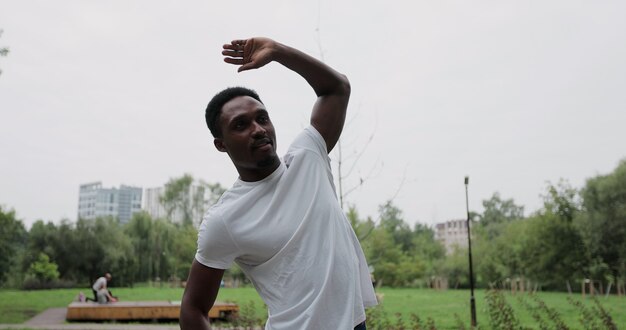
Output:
x=49 y=316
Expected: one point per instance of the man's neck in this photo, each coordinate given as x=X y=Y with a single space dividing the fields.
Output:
x=257 y=174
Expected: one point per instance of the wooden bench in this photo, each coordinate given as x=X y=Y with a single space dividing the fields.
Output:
x=140 y=311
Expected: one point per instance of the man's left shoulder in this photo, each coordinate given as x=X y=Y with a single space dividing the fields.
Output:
x=309 y=139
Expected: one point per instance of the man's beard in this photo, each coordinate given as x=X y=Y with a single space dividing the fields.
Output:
x=267 y=162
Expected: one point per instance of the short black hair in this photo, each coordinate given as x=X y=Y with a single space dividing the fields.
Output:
x=214 y=109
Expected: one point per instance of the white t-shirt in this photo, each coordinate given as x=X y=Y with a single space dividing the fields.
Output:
x=99 y=284
x=289 y=235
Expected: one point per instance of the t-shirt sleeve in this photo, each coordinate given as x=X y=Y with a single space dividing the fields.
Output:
x=314 y=146
x=312 y=140
x=216 y=248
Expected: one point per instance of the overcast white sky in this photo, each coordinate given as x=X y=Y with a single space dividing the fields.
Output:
x=511 y=93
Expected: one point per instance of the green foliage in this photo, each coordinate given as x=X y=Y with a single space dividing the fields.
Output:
x=392 y=222
x=499 y=258
x=575 y=235
x=179 y=196
x=603 y=224
x=460 y=325
x=455 y=268
x=587 y=316
x=43 y=269
x=377 y=318
x=248 y=317
x=550 y=313
x=398 y=255
x=501 y=314
x=12 y=240
x=163 y=250
x=188 y=198
x=606 y=318
x=534 y=312
x=440 y=306
x=498 y=210
x=553 y=251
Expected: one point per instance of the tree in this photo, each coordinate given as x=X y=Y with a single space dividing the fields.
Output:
x=141 y=232
x=118 y=253
x=43 y=270
x=498 y=212
x=383 y=255
x=162 y=249
x=390 y=247
x=100 y=246
x=188 y=199
x=183 y=250
x=12 y=240
x=498 y=257
x=360 y=227
x=426 y=248
x=562 y=200
x=603 y=222
x=179 y=197
x=392 y=222
x=41 y=239
x=554 y=251
x=69 y=253
x=454 y=267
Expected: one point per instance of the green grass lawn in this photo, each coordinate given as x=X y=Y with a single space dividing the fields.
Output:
x=442 y=306
x=18 y=306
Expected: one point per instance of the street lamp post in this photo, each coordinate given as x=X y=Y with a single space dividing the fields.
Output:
x=469 y=246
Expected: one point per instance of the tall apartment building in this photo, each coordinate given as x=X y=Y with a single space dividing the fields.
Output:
x=451 y=234
x=121 y=203
x=152 y=204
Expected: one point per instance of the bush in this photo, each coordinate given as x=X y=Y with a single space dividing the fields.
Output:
x=44 y=274
x=43 y=269
x=32 y=283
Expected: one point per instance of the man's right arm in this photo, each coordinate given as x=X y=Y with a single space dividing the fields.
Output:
x=200 y=293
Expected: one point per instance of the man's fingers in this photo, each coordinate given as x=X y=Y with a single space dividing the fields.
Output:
x=233 y=46
x=232 y=53
x=238 y=42
x=246 y=66
x=236 y=61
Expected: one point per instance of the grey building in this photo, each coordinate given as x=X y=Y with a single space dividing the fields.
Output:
x=452 y=234
x=121 y=203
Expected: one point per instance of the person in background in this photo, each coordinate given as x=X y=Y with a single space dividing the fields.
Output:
x=101 y=292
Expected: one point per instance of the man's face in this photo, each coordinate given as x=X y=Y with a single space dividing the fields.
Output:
x=248 y=137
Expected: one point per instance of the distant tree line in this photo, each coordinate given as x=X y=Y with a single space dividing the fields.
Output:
x=578 y=233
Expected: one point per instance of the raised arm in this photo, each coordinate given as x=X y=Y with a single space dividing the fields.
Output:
x=200 y=293
x=332 y=88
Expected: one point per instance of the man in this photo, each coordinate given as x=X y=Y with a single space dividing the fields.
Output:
x=101 y=293
x=281 y=221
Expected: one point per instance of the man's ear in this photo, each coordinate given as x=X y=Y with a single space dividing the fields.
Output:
x=219 y=144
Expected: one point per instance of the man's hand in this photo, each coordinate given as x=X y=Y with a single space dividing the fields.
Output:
x=249 y=53
x=331 y=87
